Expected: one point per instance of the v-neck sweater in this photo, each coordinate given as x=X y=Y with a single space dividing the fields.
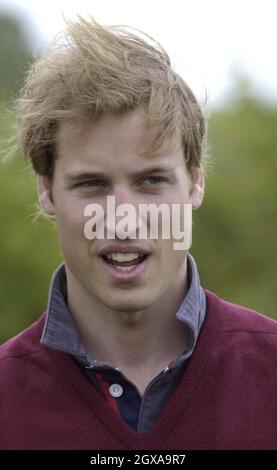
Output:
x=226 y=398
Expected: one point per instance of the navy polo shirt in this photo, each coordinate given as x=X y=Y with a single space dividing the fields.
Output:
x=139 y=412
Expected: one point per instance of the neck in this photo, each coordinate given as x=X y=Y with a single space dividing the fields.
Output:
x=148 y=339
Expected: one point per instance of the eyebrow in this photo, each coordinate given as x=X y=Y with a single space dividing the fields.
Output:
x=83 y=175
x=73 y=177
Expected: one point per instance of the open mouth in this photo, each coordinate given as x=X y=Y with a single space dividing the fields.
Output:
x=125 y=262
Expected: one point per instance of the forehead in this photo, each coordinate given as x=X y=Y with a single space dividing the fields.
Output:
x=129 y=129
x=111 y=141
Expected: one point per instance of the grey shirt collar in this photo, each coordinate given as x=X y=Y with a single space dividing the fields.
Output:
x=60 y=331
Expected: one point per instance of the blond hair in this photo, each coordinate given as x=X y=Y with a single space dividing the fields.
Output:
x=106 y=69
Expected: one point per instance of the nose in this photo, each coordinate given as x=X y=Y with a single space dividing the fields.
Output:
x=124 y=194
x=122 y=217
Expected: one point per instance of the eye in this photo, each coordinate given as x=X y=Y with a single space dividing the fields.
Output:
x=155 y=179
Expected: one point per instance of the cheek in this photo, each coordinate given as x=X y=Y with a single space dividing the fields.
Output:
x=70 y=222
x=170 y=260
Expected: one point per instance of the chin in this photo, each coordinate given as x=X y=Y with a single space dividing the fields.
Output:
x=129 y=306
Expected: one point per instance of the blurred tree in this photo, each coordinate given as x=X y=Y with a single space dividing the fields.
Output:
x=20 y=273
x=29 y=251
x=235 y=230
x=15 y=55
x=234 y=235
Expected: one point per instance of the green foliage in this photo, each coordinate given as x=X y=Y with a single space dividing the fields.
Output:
x=29 y=251
x=234 y=237
x=14 y=56
x=235 y=229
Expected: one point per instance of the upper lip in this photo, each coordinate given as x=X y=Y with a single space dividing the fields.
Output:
x=123 y=249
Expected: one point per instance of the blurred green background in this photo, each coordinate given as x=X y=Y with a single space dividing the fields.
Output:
x=234 y=235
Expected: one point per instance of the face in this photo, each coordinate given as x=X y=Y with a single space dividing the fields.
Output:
x=108 y=158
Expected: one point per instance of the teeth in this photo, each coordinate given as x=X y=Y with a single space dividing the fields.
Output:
x=123 y=256
x=125 y=268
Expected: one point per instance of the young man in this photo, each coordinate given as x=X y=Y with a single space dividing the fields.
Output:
x=131 y=353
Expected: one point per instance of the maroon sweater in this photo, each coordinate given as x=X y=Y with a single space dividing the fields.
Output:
x=226 y=399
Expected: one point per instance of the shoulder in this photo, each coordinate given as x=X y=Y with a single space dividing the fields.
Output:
x=244 y=337
x=26 y=343
x=234 y=317
x=25 y=362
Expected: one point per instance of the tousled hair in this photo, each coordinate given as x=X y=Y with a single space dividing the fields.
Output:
x=100 y=69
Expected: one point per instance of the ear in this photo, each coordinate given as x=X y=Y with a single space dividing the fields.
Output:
x=197 y=191
x=44 y=194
